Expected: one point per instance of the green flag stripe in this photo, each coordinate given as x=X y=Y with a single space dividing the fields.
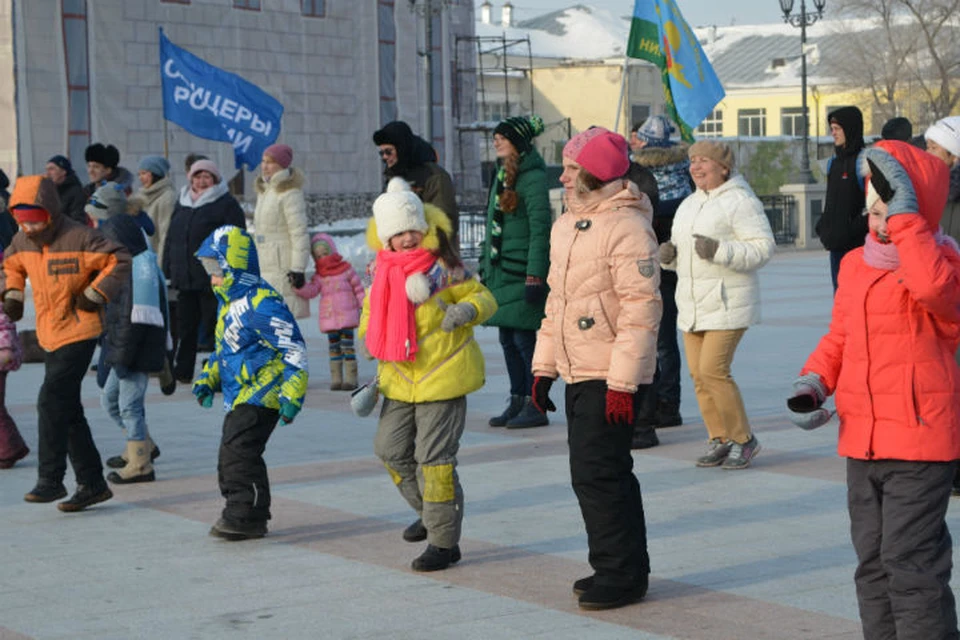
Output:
x=644 y=42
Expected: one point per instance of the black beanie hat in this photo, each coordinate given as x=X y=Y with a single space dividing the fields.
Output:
x=520 y=131
x=108 y=155
x=63 y=162
x=897 y=129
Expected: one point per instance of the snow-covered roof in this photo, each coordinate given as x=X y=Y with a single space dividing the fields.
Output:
x=743 y=56
x=580 y=32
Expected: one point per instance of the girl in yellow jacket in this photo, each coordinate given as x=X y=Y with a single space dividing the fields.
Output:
x=418 y=322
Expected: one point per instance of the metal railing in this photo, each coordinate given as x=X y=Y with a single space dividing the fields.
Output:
x=781 y=211
x=473 y=229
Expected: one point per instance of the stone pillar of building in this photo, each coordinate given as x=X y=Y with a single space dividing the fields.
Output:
x=809 y=200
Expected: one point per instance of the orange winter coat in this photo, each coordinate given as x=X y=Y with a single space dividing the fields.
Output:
x=603 y=310
x=889 y=354
x=74 y=257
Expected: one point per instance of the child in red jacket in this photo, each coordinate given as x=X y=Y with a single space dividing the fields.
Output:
x=889 y=357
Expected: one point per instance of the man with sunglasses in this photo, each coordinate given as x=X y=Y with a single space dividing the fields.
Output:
x=412 y=158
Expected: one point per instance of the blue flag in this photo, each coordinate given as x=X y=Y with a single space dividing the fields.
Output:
x=659 y=34
x=217 y=105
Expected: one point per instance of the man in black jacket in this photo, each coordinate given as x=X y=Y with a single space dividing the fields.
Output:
x=412 y=158
x=843 y=226
x=69 y=188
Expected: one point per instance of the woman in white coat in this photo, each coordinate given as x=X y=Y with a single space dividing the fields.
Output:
x=280 y=223
x=720 y=238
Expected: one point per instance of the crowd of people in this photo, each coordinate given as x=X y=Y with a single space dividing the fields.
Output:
x=657 y=237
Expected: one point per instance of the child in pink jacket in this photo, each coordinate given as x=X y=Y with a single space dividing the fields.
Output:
x=341 y=298
x=12 y=446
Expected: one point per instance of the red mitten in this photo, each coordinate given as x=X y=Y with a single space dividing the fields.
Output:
x=540 y=394
x=619 y=407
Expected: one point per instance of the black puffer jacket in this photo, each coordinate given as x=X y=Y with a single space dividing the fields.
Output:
x=72 y=198
x=133 y=346
x=190 y=225
x=843 y=226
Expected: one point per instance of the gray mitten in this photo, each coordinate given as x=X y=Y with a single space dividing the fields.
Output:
x=806 y=405
x=364 y=400
x=456 y=315
x=667 y=253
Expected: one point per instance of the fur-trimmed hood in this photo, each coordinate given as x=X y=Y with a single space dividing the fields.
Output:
x=283 y=180
x=436 y=219
x=651 y=157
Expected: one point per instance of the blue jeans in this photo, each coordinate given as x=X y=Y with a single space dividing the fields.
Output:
x=518 y=347
x=122 y=398
x=836 y=255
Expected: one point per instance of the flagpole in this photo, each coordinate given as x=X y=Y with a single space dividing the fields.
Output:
x=623 y=86
x=166 y=144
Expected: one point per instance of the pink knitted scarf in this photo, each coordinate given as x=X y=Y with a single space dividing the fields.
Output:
x=392 y=327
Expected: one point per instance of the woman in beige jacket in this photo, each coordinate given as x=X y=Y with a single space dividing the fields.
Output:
x=157 y=198
x=600 y=335
x=280 y=224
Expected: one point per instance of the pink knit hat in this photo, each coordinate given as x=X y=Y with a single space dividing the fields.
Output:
x=602 y=153
x=204 y=165
x=281 y=154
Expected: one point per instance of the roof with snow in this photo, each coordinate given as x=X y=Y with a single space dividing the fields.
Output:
x=743 y=56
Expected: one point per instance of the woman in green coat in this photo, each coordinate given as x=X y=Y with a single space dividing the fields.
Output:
x=516 y=258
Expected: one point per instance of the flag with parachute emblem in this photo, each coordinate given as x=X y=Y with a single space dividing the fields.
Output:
x=659 y=34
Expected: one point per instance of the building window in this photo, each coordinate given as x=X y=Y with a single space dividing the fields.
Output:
x=176 y=1
x=752 y=122
x=249 y=5
x=712 y=125
x=791 y=121
x=313 y=8
x=639 y=113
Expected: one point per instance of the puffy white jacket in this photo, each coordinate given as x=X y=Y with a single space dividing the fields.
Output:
x=283 y=242
x=722 y=293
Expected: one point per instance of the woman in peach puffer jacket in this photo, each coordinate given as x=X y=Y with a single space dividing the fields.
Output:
x=600 y=335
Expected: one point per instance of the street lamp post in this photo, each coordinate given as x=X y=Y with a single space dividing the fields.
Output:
x=803 y=20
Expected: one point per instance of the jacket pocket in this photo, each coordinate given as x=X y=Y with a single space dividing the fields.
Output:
x=912 y=396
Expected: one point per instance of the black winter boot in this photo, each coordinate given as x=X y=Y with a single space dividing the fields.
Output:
x=436 y=558
x=237 y=531
x=46 y=491
x=644 y=437
x=513 y=408
x=415 y=532
x=583 y=585
x=85 y=496
x=602 y=596
x=668 y=414
x=529 y=416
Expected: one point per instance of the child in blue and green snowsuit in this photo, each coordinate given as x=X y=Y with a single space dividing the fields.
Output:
x=260 y=365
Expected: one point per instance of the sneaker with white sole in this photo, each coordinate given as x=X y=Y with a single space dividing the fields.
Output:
x=716 y=453
x=741 y=455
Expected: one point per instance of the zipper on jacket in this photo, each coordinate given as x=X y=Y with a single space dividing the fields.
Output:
x=566 y=272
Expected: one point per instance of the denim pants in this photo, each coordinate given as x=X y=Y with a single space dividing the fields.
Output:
x=122 y=398
x=518 y=347
x=63 y=427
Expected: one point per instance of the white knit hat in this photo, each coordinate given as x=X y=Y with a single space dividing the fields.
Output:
x=398 y=210
x=946 y=133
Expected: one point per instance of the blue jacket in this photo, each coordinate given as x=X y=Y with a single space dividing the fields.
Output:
x=260 y=356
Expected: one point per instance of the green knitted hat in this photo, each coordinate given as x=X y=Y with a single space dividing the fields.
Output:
x=520 y=131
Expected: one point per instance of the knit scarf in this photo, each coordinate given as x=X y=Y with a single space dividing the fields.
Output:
x=392 y=328
x=496 y=226
x=147 y=301
x=331 y=265
x=884 y=256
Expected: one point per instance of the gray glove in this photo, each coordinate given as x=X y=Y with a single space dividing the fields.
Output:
x=456 y=315
x=667 y=253
x=806 y=405
x=705 y=247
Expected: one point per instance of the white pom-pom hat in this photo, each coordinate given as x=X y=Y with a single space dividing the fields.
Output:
x=398 y=210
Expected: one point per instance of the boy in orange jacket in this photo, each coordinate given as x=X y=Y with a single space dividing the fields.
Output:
x=73 y=270
x=889 y=357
